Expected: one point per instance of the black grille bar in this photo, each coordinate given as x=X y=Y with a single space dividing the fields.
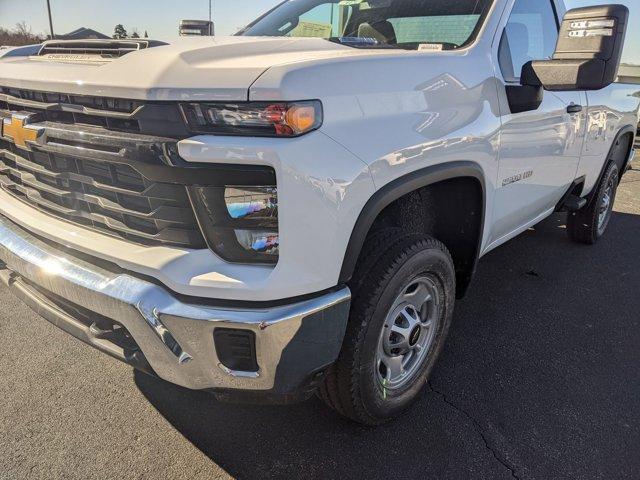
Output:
x=161 y=119
x=69 y=103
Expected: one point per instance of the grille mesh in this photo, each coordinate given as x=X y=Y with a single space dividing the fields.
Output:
x=88 y=174
x=113 y=198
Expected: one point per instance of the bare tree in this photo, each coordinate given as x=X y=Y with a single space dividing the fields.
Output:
x=23 y=29
x=21 y=34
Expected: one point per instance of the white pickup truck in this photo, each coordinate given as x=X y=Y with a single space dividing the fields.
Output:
x=296 y=208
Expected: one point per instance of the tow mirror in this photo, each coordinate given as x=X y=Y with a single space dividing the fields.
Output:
x=588 y=51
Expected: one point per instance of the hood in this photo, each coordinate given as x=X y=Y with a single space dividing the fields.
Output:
x=203 y=68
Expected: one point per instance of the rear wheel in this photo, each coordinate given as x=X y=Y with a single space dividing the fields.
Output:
x=588 y=224
x=402 y=304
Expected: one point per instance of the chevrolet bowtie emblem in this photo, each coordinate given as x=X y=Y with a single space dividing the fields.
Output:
x=17 y=128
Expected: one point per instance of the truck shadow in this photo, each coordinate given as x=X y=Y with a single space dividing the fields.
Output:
x=541 y=352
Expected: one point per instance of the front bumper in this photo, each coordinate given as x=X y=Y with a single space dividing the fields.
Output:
x=168 y=336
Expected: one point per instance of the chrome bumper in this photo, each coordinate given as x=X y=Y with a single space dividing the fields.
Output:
x=175 y=338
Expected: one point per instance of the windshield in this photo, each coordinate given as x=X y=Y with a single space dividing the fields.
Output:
x=408 y=24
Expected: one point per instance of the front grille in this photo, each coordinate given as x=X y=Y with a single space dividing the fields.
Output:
x=127 y=182
x=113 y=198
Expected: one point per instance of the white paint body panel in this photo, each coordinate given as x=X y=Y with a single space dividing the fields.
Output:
x=387 y=113
x=608 y=111
x=200 y=68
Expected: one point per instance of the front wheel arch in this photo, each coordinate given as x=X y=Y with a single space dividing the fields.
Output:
x=620 y=156
x=402 y=187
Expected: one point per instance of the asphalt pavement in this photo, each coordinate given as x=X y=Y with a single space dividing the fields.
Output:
x=540 y=379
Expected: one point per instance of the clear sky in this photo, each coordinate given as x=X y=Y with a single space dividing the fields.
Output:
x=161 y=17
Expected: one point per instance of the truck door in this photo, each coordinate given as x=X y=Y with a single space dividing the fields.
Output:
x=539 y=150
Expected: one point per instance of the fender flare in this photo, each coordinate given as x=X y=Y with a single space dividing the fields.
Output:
x=400 y=187
x=623 y=131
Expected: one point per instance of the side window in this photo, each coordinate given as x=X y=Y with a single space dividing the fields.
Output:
x=530 y=34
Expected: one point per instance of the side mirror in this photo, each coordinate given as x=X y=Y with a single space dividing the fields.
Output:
x=588 y=51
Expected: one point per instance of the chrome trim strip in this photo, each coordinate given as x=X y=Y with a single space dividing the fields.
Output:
x=237 y=373
x=152 y=317
x=175 y=337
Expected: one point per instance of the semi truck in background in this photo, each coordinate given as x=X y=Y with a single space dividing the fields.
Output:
x=200 y=28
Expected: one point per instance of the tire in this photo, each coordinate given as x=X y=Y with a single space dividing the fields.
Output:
x=589 y=223
x=387 y=319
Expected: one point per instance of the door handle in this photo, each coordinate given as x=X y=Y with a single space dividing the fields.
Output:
x=573 y=108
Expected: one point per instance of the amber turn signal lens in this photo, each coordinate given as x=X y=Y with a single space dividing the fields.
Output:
x=301 y=118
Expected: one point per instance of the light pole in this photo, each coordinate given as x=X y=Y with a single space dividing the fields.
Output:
x=210 y=17
x=50 y=20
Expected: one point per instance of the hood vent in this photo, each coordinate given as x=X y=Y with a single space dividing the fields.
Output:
x=93 y=49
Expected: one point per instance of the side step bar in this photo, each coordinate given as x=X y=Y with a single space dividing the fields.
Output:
x=574 y=203
x=571 y=201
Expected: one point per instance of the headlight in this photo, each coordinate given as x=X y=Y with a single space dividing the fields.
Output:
x=240 y=223
x=285 y=119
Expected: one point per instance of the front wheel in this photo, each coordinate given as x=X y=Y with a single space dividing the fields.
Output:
x=589 y=223
x=402 y=305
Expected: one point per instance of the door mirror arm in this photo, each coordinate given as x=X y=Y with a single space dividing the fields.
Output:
x=529 y=94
